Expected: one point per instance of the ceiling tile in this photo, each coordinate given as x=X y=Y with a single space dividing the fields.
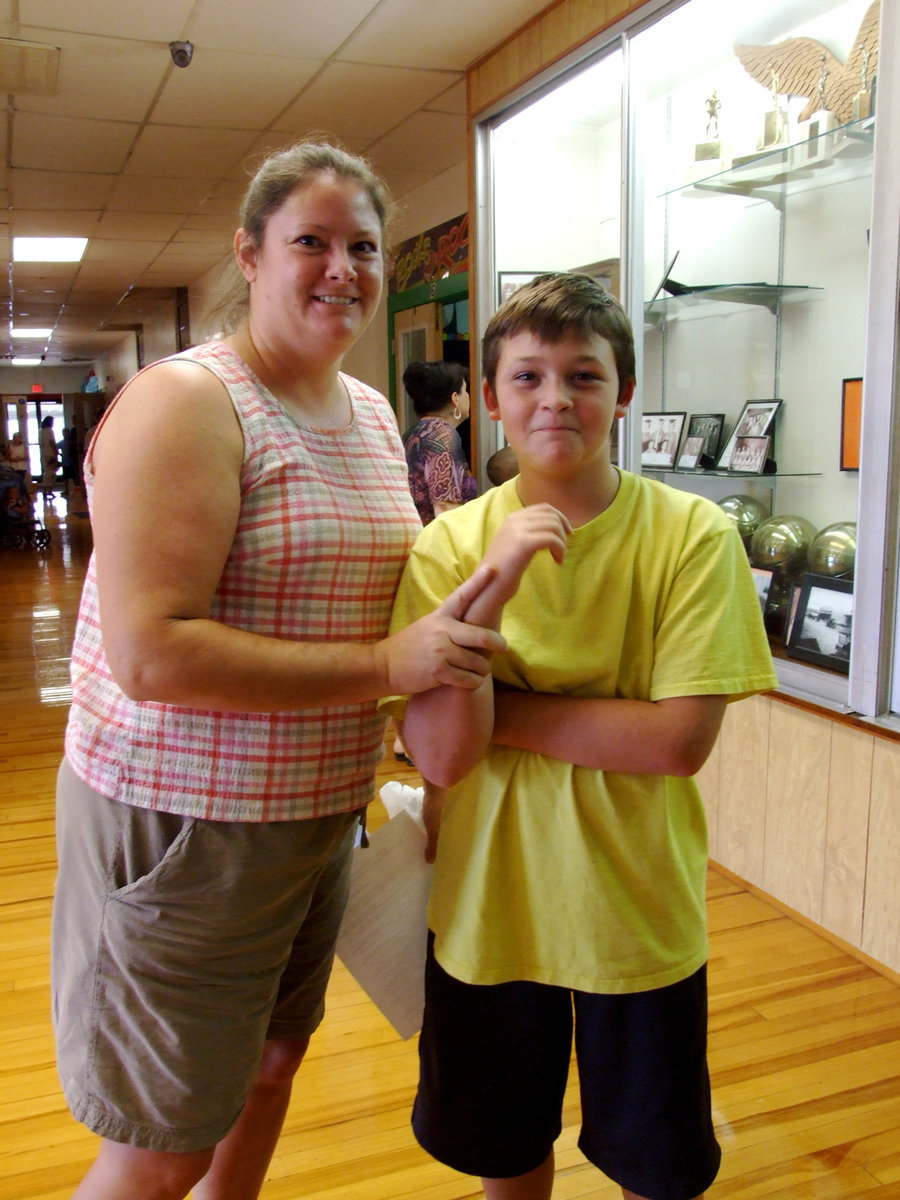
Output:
x=131 y=73
x=54 y=223
x=283 y=27
x=138 y=226
x=54 y=189
x=450 y=37
x=70 y=144
x=345 y=91
x=453 y=100
x=186 y=153
x=429 y=141
x=131 y=193
x=160 y=21
x=259 y=88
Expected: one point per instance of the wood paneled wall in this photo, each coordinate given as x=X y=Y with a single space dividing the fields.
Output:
x=551 y=35
x=807 y=809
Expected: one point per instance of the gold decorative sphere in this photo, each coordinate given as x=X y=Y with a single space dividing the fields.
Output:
x=833 y=550
x=782 y=543
x=746 y=512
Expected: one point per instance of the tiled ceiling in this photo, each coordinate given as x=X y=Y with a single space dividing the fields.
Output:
x=149 y=160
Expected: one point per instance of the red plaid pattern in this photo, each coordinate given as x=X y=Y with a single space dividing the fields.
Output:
x=325 y=527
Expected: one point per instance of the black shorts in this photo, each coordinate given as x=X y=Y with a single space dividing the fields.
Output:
x=493 y=1068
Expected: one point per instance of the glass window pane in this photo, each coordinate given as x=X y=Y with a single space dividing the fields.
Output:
x=756 y=214
x=557 y=178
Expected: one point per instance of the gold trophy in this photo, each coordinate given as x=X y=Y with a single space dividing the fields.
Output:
x=710 y=155
x=862 y=101
x=775 y=126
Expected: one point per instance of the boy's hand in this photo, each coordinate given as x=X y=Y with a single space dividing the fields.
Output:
x=519 y=538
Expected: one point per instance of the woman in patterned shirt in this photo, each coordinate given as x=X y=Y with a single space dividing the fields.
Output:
x=439 y=476
x=232 y=642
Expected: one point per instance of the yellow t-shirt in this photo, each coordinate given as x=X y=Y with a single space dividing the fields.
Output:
x=562 y=874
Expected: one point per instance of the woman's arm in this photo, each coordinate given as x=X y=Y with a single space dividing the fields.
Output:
x=635 y=737
x=166 y=500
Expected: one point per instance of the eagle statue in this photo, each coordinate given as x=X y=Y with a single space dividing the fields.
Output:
x=804 y=67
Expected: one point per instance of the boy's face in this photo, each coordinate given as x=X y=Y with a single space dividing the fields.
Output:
x=557 y=401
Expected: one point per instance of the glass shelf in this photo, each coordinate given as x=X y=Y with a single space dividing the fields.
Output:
x=769 y=295
x=745 y=475
x=771 y=174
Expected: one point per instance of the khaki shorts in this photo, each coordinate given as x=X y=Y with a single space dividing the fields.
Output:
x=179 y=947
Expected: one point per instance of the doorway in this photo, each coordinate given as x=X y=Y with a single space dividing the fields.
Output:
x=25 y=416
x=429 y=323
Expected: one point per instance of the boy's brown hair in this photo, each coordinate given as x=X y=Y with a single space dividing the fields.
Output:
x=553 y=305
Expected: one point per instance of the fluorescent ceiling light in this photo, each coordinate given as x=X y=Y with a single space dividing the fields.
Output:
x=48 y=249
x=27 y=362
x=29 y=333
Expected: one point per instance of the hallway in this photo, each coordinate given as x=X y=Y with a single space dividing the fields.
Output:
x=805 y=1038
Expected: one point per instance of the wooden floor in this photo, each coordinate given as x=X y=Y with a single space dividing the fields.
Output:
x=805 y=1039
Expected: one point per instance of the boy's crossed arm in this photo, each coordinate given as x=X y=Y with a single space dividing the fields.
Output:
x=632 y=737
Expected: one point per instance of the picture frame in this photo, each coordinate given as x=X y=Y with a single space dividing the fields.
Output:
x=606 y=272
x=749 y=455
x=691 y=453
x=660 y=439
x=709 y=426
x=851 y=423
x=510 y=281
x=821 y=630
x=763 y=580
x=756 y=420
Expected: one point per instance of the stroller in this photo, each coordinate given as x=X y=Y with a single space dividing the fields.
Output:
x=19 y=527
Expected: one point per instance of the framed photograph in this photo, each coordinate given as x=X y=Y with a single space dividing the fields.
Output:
x=689 y=458
x=605 y=272
x=851 y=423
x=750 y=454
x=660 y=439
x=763 y=580
x=757 y=420
x=510 y=281
x=709 y=426
x=823 y=623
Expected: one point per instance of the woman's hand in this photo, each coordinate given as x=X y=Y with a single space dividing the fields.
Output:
x=443 y=648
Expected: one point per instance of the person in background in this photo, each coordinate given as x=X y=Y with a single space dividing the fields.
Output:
x=49 y=452
x=439 y=477
x=231 y=645
x=568 y=896
x=502 y=465
x=68 y=451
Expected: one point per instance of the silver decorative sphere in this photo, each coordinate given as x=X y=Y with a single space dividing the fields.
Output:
x=746 y=512
x=783 y=543
x=833 y=550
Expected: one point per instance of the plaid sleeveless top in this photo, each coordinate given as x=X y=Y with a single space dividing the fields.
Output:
x=325 y=526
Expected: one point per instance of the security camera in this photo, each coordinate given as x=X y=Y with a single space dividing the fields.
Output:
x=182 y=53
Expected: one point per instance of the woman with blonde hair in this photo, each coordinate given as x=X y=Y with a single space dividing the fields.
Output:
x=231 y=645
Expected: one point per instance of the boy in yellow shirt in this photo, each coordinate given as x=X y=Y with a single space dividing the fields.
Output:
x=570 y=869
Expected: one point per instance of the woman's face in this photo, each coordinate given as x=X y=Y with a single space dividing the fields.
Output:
x=316 y=279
